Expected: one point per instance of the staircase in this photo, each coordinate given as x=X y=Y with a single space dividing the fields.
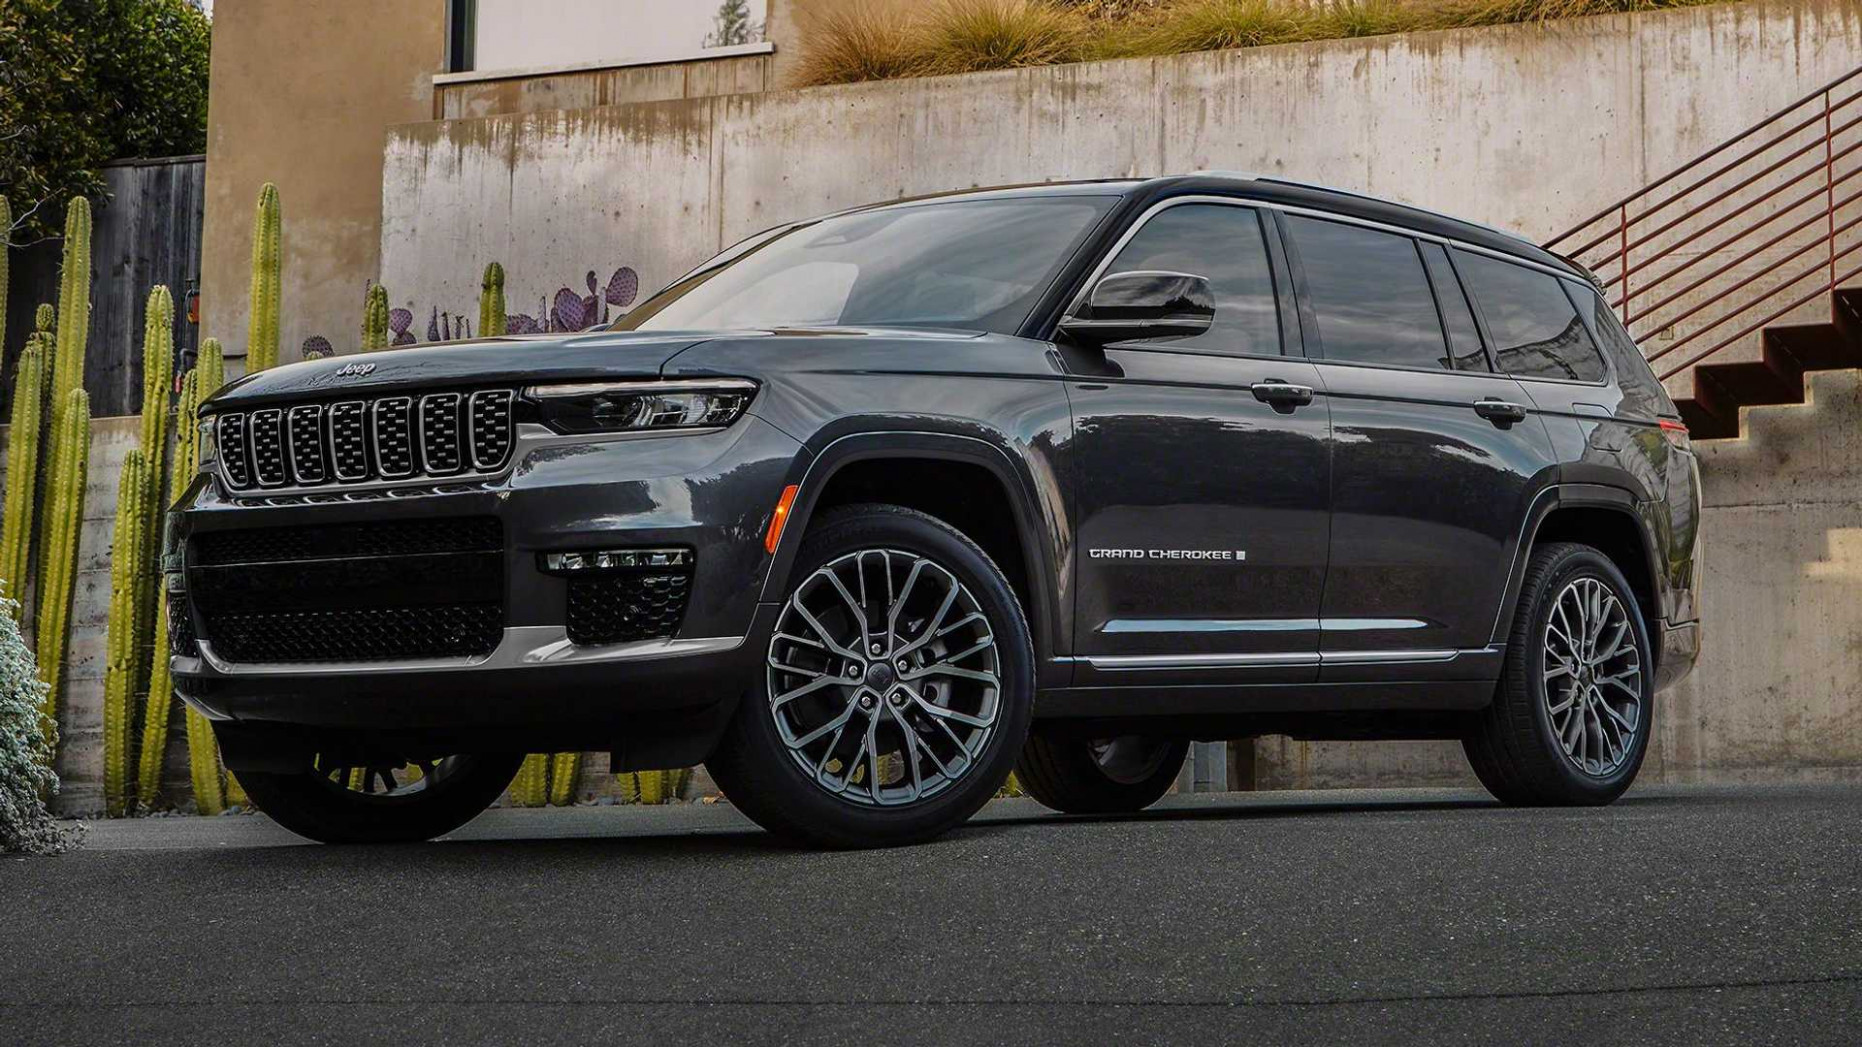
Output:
x=1741 y=270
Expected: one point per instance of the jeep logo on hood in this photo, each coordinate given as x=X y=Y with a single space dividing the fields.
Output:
x=354 y=370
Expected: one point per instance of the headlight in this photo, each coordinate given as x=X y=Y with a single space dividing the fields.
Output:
x=622 y=407
x=206 y=447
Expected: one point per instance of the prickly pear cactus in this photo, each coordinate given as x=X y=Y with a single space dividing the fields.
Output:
x=22 y=481
x=122 y=639
x=375 y=319
x=491 y=319
x=267 y=275
x=59 y=552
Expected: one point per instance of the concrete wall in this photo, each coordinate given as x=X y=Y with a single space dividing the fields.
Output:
x=301 y=91
x=1527 y=127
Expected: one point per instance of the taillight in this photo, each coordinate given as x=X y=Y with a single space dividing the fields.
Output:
x=1676 y=434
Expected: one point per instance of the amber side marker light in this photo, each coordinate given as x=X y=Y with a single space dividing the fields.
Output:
x=1676 y=433
x=781 y=516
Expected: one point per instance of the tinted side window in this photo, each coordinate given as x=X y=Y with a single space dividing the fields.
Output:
x=1536 y=330
x=1464 y=336
x=1370 y=295
x=1642 y=392
x=1224 y=245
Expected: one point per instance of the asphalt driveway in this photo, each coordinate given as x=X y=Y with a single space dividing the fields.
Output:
x=1680 y=915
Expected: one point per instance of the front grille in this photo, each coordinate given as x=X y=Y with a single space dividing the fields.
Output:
x=618 y=608
x=358 y=592
x=358 y=441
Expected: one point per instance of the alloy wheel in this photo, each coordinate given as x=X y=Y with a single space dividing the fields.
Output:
x=1593 y=677
x=884 y=678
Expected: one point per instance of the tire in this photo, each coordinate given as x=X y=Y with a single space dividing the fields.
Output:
x=324 y=806
x=1106 y=776
x=1518 y=744
x=909 y=760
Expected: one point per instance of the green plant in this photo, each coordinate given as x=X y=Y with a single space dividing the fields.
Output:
x=22 y=455
x=74 y=310
x=565 y=769
x=1211 y=25
x=26 y=776
x=203 y=759
x=122 y=636
x=375 y=319
x=59 y=551
x=267 y=266
x=157 y=712
x=490 y=303
x=656 y=787
x=856 y=42
x=211 y=363
x=158 y=362
x=6 y=230
x=531 y=788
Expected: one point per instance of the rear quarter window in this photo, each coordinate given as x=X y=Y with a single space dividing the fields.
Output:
x=1536 y=331
x=1643 y=394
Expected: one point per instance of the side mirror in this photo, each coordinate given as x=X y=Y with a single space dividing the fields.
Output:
x=1150 y=304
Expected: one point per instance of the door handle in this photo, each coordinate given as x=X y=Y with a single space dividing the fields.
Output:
x=1283 y=396
x=1502 y=414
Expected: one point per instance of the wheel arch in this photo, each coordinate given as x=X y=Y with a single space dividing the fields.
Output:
x=892 y=466
x=1605 y=518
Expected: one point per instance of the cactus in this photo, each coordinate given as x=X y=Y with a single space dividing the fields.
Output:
x=375 y=319
x=267 y=265
x=74 y=312
x=491 y=322
x=45 y=318
x=565 y=769
x=22 y=455
x=6 y=230
x=157 y=711
x=203 y=758
x=656 y=787
x=211 y=363
x=128 y=549
x=532 y=787
x=59 y=551
x=158 y=361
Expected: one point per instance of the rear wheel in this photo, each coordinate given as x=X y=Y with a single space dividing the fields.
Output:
x=333 y=801
x=1570 y=720
x=897 y=689
x=1100 y=776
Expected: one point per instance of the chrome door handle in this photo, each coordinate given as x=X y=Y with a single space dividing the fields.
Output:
x=1502 y=414
x=1282 y=395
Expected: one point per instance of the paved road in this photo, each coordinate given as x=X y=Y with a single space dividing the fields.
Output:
x=1680 y=916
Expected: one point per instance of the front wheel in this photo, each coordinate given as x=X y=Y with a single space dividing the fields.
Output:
x=897 y=687
x=1570 y=720
x=333 y=801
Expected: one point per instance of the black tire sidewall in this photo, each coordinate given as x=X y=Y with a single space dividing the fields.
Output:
x=773 y=789
x=1573 y=563
x=311 y=807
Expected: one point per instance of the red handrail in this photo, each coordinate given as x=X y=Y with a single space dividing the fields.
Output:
x=1741 y=212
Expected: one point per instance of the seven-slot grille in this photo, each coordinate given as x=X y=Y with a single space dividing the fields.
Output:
x=357 y=441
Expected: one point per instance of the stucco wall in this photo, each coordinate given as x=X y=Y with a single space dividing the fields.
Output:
x=301 y=92
x=1526 y=127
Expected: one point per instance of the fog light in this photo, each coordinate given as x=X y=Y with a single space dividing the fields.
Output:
x=615 y=560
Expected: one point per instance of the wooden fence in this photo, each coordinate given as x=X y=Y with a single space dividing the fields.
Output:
x=146 y=232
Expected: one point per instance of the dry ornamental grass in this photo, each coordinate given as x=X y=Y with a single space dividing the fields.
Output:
x=857 y=42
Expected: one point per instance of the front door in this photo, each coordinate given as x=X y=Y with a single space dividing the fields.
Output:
x=1435 y=456
x=1200 y=473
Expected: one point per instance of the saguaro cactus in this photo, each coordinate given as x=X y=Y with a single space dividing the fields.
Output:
x=532 y=785
x=157 y=713
x=267 y=267
x=74 y=311
x=211 y=363
x=22 y=482
x=122 y=636
x=565 y=768
x=59 y=551
x=491 y=322
x=158 y=362
x=375 y=319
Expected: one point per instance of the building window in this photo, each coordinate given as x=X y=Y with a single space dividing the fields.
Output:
x=489 y=35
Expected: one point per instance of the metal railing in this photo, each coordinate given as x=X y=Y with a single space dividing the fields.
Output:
x=1738 y=238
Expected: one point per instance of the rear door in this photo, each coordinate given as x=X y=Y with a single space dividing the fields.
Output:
x=1436 y=457
x=1200 y=473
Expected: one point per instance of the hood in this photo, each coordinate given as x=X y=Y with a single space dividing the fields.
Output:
x=511 y=360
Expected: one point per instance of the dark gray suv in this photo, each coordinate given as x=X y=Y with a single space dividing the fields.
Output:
x=871 y=509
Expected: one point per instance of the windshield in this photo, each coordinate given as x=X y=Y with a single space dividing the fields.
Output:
x=960 y=263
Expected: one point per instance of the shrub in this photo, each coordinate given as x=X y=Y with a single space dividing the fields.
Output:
x=858 y=42
x=963 y=36
x=26 y=776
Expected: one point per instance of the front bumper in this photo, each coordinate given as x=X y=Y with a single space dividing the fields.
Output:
x=711 y=493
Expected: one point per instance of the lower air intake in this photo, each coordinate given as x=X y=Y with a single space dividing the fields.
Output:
x=621 y=608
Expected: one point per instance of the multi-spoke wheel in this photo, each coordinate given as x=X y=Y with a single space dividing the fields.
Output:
x=1099 y=775
x=896 y=686
x=381 y=801
x=1570 y=720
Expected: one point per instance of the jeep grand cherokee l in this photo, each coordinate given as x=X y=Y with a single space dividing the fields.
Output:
x=870 y=509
